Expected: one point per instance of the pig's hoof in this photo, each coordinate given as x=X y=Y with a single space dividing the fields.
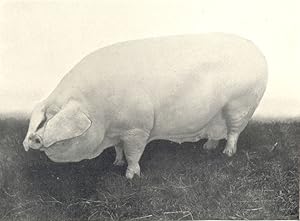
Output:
x=229 y=151
x=210 y=145
x=130 y=172
x=119 y=162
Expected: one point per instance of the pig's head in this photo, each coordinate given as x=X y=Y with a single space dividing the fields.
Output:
x=66 y=133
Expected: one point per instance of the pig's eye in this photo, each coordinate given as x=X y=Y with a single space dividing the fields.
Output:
x=51 y=111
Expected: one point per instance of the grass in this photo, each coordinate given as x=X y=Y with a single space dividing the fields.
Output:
x=179 y=182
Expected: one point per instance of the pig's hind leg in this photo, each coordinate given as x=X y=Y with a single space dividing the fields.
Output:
x=216 y=130
x=237 y=114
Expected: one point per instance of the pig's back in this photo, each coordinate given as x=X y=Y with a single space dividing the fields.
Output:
x=163 y=66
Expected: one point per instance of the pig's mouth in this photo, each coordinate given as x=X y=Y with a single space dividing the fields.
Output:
x=43 y=148
x=50 y=151
x=54 y=149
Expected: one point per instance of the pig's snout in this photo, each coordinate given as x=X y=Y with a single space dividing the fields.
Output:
x=33 y=141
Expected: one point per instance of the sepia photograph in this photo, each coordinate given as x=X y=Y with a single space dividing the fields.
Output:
x=149 y=110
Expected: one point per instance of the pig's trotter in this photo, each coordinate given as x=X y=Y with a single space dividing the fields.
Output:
x=231 y=145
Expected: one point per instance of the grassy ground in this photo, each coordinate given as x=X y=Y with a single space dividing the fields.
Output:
x=178 y=181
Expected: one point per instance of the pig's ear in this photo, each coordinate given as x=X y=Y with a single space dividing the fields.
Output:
x=68 y=123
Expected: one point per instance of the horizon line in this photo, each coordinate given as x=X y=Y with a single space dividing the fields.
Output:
x=22 y=115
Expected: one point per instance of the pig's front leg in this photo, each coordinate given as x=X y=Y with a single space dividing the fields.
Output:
x=119 y=161
x=134 y=142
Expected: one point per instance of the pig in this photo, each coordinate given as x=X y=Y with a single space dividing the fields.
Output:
x=178 y=88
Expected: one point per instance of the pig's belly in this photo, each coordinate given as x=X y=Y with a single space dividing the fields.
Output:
x=190 y=120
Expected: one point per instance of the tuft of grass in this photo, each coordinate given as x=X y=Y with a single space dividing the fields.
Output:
x=178 y=182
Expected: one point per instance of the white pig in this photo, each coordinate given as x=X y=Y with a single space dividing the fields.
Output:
x=178 y=88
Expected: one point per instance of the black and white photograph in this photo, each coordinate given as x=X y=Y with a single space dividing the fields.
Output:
x=149 y=110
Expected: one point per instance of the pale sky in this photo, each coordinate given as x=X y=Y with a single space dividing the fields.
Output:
x=40 y=41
